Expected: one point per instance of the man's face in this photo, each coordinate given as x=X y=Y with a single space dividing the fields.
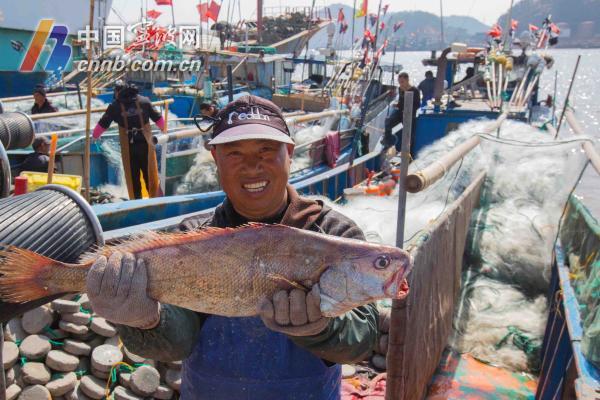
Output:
x=403 y=83
x=254 y=174
x=38 y=98
x=43 y=148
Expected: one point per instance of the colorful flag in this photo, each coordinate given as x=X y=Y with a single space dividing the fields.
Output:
x=554 y=28
x=341 y=16
x=203 y=11
x=382 y=26
x=343 y=27
x=153 y=14
x=362 y=10
x=213 y=10
x=164 y=2
x=369 y=36
x=533 y=28
x=514 y=24
x=398 y=25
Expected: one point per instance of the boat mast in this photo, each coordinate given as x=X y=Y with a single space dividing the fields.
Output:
x=442 y=24
x=259 y=20
x=507 y=36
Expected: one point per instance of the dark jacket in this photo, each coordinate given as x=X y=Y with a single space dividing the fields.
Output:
x=36 y=162
x=44 y=109
x=114 y=113
x=427 y=86
x=348 y=338
x=416 y=100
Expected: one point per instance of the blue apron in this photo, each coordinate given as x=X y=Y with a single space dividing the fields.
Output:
x=241 y=359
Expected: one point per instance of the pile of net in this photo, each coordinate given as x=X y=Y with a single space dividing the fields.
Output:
x=503 y=306
x=503 y=311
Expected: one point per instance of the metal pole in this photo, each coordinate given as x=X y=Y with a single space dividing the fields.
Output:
x=562 y=115
x=377 y=27
x=230 y=82
x=399 y=318
x=3 y=377
x=392 y=78
x=86 y=161
x=554 y=98
x=172 y=13
x=79 y=95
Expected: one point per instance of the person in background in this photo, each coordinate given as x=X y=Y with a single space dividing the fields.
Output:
x=208 y=110
x=469 y=74
x=427 y=87
x=397 y=115
x=41 y=104
x=38 y=160
x=133 y=112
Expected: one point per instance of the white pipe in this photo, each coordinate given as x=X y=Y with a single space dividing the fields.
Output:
x=420 y=180
x=588 y=147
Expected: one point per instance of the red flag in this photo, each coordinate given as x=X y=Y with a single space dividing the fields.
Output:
x=369 y=36
x=341 y=16
x=533 y=28
x=153 y=14
x=343 y=27
x=385 y=8
x=203 y=11
x=514 y=24
x=554 y=29
x=164 y=2
x=495 y=32
x=213 y=10
x=382 y=27
x=398 y=25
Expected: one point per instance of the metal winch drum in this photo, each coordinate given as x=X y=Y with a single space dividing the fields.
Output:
x=16 y=130
x=54 y=221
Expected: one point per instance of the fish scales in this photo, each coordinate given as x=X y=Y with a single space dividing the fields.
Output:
x=226 y=271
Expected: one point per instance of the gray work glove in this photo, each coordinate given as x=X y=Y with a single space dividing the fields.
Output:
x=294 y=313
x=117 y=290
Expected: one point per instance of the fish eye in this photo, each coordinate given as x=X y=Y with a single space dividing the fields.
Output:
x=382 y=262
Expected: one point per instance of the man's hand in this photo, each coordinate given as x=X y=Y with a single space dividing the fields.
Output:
x=117 y=290
x=294 y=313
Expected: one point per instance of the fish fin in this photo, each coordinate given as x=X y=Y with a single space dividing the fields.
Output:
x=151 y=239
x=22 y=275
x=277 y=277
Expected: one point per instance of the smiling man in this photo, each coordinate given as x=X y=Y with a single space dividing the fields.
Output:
x=290 y=351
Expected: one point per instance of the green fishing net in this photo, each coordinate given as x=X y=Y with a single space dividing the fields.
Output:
x=580 y=237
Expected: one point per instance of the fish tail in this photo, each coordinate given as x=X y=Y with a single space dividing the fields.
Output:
x=26 y=275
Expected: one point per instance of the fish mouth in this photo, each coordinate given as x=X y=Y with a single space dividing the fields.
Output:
x=391 y=287
x=256 y=186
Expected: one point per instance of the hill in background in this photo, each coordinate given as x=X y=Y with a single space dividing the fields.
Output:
x=421 y=30
x=578 y=20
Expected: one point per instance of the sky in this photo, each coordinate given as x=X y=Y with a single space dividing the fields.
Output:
x=487 y=11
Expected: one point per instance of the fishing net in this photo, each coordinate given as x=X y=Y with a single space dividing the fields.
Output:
x=503 y=311
x=580 y=237
x=502 y=306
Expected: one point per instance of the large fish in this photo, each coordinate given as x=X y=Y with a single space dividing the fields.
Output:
x=227 y=271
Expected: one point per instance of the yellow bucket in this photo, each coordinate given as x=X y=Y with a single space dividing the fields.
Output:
x=36 y=180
